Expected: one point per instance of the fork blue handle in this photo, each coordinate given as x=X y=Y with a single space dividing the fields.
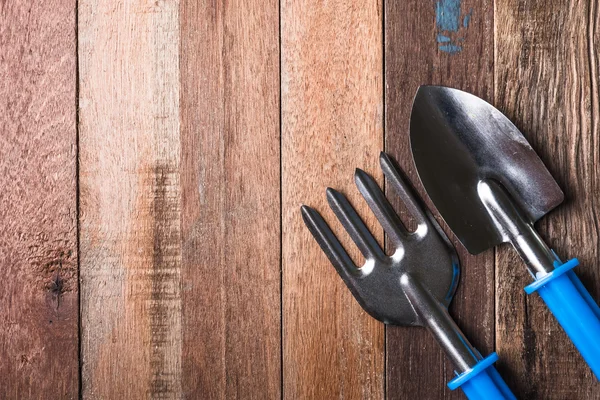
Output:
x=574 y=308
x=483 y=382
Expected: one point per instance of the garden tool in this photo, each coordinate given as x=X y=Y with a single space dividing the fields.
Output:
x=490 y=187
x=414 y=285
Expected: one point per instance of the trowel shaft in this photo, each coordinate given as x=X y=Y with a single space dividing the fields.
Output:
x=560 y=288
x=512 y=225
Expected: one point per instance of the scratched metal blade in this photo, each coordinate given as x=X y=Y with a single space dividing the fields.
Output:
x=457 y=139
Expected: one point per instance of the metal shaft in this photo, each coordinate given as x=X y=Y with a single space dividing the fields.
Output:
x=441 y=325
x=509 y=221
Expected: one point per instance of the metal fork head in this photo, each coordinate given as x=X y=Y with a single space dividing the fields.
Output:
x=424 y=257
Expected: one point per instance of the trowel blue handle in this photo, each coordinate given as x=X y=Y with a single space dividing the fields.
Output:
x=483 y=382
x=574 y=309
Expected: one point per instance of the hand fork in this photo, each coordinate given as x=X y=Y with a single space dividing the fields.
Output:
x=413 y=286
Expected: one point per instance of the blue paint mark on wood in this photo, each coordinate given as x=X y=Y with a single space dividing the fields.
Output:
x=447 y=13
x=451 y=25
x=467 y=19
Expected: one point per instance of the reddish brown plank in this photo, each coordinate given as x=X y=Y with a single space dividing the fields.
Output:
x=547 y=82
x=332 y=123
x=416 y=368
x=230 y=199
x=38 y=203
x=130 y=238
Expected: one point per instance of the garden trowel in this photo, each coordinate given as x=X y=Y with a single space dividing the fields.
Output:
x=490 y=187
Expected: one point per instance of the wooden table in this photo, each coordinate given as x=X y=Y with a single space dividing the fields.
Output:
x=154 y=155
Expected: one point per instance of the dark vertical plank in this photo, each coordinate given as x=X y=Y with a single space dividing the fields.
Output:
x=547 y=83
x=230 y=199
x=130 y=199
x=38 y=206
x=447 y=43
x=332 y=92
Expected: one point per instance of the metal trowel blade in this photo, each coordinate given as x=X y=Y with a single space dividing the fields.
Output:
x=457 y=140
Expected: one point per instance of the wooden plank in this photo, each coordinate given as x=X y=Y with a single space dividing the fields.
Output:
x=446 y=43
x=332 y=123
x=38 y=201
x=130 y=199
x=230 y=205
x=547 y=83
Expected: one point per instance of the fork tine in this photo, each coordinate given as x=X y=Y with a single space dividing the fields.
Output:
x=354 y=225
x=383 y=210
x=393 y=174
x=330 y=244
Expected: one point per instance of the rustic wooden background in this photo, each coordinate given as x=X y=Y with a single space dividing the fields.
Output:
x=154 y=155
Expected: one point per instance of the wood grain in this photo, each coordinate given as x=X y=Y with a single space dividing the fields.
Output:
x=331 y=123
x=203 y=126
x=38 y=201
x=414 y=55
x=231 y=199
x=130 y=199
x=547 y=83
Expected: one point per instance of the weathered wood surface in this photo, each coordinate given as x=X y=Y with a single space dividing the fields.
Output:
x=331 y=88
x=547 y=83
x=416 y=55
x=230 y=176
x=38 y=201
x=130 y=247
x=203 y=126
